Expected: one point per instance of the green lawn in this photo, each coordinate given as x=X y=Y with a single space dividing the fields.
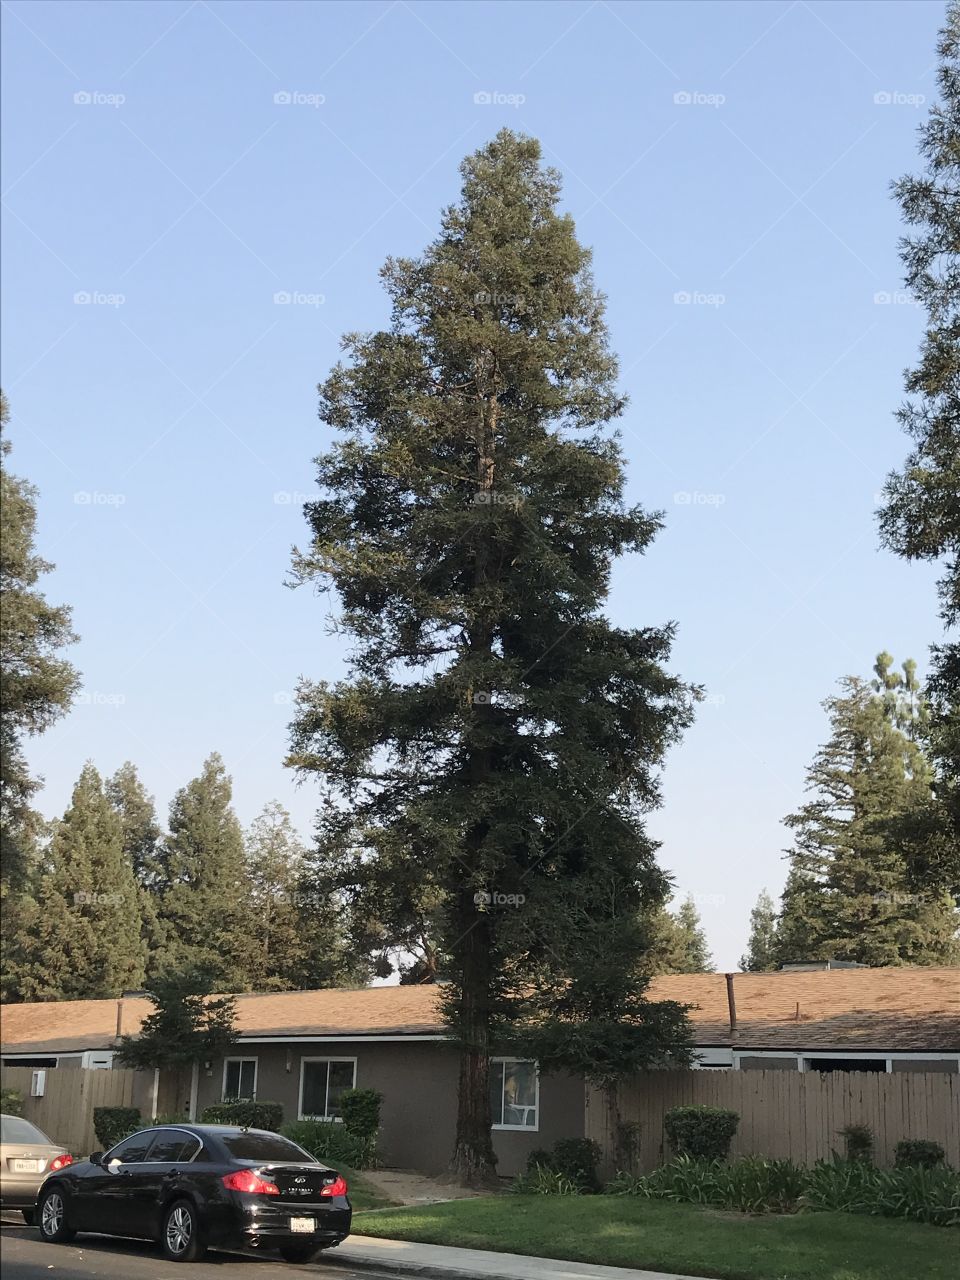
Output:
x=363 y=1195
x=662 y=1236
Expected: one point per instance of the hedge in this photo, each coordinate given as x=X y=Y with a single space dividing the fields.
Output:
x=110 y=1124
x=704 y=1133
x=245 y=1115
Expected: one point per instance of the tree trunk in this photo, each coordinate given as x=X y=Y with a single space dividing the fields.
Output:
x=474 y=1161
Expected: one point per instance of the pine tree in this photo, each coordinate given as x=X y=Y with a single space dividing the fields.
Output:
x=497 y=741
x=921 y=516
x=849 y=896
x=204 y=891
x=36 y=684
x=142 y=843
x=678 y=943
x=761 y=953
x=81 y=939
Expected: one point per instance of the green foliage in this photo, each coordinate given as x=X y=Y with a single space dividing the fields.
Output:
x=761 y=955
x=849 y=894
x=11 y=1102
x=360 y=1112
x=111 y=1124
x=245 y=1115
x=187 y=1025
x=920 y=519
x=677 y=942
x=755 y=1185
x=703 y=1133
x=540 y=1180
x=922 y=1152
x=330 y=1142
x=858 y=1142
x=468 y=518
x=573 y=1159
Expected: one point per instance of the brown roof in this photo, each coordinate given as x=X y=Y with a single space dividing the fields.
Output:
x=902 y=1009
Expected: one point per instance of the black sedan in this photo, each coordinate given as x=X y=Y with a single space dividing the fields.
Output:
x=192 y=1187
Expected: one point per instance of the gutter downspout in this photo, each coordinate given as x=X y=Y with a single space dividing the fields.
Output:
x=194 y=1089
x=731 y=1004
x=155 y=1093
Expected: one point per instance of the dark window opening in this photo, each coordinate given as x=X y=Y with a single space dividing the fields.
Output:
x=846 y=1064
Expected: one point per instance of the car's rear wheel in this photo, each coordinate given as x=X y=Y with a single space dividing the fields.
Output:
x=300 y=1252
x=180 y=1236
x=52 y=1211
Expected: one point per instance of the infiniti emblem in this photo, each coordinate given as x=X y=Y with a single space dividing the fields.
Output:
x=299 y=1179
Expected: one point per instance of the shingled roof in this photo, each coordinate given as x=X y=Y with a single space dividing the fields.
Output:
x=903 y=1009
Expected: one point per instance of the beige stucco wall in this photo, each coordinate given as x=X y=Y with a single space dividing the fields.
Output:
x=418 y=1081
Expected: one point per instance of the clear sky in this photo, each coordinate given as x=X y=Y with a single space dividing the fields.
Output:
x=179 y=165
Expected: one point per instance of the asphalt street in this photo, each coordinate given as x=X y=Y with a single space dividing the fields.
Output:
x=24 y=1256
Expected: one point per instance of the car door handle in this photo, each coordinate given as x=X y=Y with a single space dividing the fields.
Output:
x=172 y=1173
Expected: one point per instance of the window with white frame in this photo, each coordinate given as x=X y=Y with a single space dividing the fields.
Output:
x=240 y=1079
x=514 y=1093
x=322 y=1081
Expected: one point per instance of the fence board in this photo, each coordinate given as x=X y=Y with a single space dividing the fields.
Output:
x=65 y=1112
x=795 y=1115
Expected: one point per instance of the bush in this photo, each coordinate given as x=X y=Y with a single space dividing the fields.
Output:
x=330 y=1142
x=574 y=1159
x=750 y=1185
x=541 y=1181
x=704 y=1133
x=360 y=1111
x=11 y=1102
x=858 y=1143
x=110 y=1124
x=245 y=1115
x=922 y=1152
x=852 y=1186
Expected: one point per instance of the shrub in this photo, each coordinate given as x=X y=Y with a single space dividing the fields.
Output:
x=110 y=1124
x=858 y=1143
x=750 y=1185
x=705 y=1133
x=330 y=1142
x=852 y=1186
x=922 y=1152
x=360 y=1110
x=245 y=1115
x=574 y=1159
x=11 y=1102
x=541 y=1181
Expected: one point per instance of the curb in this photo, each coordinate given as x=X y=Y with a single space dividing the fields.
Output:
x=429 y=1270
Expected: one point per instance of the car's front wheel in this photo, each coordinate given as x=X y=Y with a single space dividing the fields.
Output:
x=180 y=1237
x=300 y=1252
x=52 y=1212
x=28 y=1216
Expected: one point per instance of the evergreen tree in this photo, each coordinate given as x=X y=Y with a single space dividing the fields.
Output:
x=36 y=684
x=142 y=843
x=498 y=741
x=80 y=939
x=678 y=943
x=921 y=516
x=204 y=890
x=761 y=953
x=275 y=865
x=849 y=896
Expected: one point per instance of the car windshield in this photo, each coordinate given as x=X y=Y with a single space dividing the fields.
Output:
x=16 y=1129
x=264 y=1146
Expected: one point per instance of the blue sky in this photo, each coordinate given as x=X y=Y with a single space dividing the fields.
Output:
x=171 y=168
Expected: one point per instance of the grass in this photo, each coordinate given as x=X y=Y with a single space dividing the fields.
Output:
x=363 y=1194
x=663 y=1236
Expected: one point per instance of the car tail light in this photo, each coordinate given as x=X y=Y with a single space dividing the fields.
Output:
x=336 y=1188
x=60 y=1162
x=249 y=1180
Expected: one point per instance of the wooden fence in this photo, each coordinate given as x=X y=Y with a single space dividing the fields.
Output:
x=783 y=1114
x=65 y=1112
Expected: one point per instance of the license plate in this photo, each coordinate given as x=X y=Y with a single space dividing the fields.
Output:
x=26 y=1166
x=303 y=1224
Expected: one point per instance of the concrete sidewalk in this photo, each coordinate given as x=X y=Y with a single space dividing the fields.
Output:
x=437 y=1262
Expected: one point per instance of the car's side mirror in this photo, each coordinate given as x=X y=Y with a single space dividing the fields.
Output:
x=115 y=1165
x=96 y=1157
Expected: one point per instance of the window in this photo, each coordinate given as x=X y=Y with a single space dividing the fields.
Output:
x=322 y=1080
x=846 y=1064
x=240 y=1079
x=30 y=1062
x=132 y=1150
x=244 y=1145
x=14 y=1129
x=172 y=1146
x=514 y=1093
